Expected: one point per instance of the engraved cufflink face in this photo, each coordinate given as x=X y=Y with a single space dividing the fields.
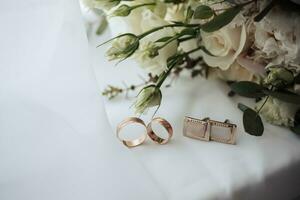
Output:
x=196 y=128
x=223 y=132
x=207 y=130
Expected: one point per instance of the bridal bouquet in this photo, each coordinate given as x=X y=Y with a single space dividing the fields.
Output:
x=254 y=46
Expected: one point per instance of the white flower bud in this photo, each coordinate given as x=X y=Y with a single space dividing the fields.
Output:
x=121 y=11
x=149 y=96
x=123 y=47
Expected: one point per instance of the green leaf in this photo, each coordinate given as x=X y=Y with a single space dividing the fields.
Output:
x=243 y=107
x=297 y=79
x=297 y=118
x=164 y=39
x=222 y=19
x=203 y=12
x=296 y=129
x=285 y=96
x=248 y=89
x=252 y=123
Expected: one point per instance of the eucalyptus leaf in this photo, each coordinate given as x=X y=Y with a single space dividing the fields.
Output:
x=243 y=107
x=252 y=123
x=248 y=89
x=222 y=19
x=203 y=12
x=285 y=96
x=297 y=79
x=297 y=118
x=296 y=129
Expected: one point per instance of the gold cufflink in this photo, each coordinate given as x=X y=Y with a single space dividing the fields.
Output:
x=196 y=128
x=206 y=129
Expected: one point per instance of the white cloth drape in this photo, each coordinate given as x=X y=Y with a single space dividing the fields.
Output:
x=55 y=141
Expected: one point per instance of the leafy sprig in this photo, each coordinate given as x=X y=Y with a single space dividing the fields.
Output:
x=251 y=119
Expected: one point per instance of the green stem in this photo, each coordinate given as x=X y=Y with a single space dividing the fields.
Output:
x=166 y=26
x=193 y=50
x=165 y=74
x=263 y=104
x=265 y=11
x=169 y=41
x=246 y=3
x=186 y=39
x=141 y=5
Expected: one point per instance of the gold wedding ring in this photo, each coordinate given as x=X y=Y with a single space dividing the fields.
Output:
x=134 y=142
x=155 y=137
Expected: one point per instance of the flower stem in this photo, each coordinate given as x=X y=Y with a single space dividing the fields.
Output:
x=141 y=5
x=263 y=104
x=169 y=41
x=165 y=74
x=166 y=26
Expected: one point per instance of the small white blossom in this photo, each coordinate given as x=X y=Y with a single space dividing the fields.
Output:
x=277 y=39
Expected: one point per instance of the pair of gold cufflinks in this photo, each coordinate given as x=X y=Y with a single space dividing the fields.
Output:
x=149 y=131
x=206 y=129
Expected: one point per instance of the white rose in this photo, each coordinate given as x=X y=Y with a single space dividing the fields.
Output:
x=225 y=44
x=157 y=64
x=234 y=73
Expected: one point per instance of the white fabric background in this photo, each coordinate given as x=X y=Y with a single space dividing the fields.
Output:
x=55 y=141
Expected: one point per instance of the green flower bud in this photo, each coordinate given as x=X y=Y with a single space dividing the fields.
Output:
x=123 y=47
x=148 y=97
x=148 y=50
x=279 y=77
x=122 y=11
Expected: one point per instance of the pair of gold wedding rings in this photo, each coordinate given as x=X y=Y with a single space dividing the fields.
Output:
x=149 y=131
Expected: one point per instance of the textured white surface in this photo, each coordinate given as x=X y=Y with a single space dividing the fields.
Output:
x=266 y=167
x=55 y=141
